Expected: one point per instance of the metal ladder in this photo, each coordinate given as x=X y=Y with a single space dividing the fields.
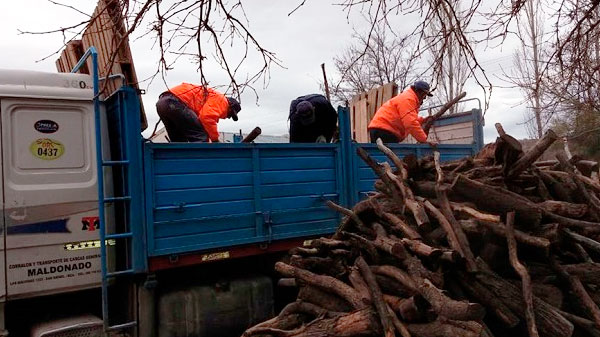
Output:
x=126 y=234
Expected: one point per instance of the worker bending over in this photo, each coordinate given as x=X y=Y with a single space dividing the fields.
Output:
x=399 y=117
x=312 y=119
x=191 y=112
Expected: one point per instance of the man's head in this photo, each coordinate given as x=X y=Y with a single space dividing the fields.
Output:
x=422 y=89
x=233 y=108
x=305 y=113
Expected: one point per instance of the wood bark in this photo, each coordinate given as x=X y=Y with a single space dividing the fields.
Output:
x=446 y=328
x=549 y=321
x=579 y=290
x=533 y=154
x=523 y=273
x=427 y=125
x=498 y=200
x=563 y=208
x=328 y=283
x=376 y=297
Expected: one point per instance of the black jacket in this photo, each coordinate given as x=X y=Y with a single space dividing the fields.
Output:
x=324 y=124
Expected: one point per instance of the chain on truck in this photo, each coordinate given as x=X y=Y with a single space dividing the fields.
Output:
x=105 y=232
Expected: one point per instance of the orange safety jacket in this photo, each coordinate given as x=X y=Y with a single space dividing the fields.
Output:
x=208 y=104
x=400 y=116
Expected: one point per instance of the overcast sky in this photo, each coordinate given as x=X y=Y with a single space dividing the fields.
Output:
x=315 y=34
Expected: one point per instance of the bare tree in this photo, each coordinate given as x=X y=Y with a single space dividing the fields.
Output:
x=208 y=31
x=527 y=74
x=571 y=88
x=203 y=28
x=371 y=62
x=453 y=72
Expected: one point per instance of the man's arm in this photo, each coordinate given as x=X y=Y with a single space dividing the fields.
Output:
x=210 y=117
x=413 y=127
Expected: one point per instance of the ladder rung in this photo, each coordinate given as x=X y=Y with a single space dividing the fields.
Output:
x=112 y=199
x=121 y=326
x=119 y=273
x=118 y=235
x=115 y=162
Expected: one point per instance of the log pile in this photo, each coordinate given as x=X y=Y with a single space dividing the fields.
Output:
x=493 y=245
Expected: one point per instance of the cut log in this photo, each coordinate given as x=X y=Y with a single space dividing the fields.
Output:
x=350 y=214
x=422 y=249
x=508 y=150
x=458 y=207
x=579 y=290
x=582 y=240
x=583 y=323
x=397 y=274
x=359 y=284
x=325 y=282
x=446 y=328
x=410 y=309
x=323 y=299
x=498 y=200
x=448 y=229
x=376 y=297
x=549 y=321
x=358 y=323
x=394 y=158
x=287 y=282
x=447 y=307
x=524 y=238
x=557 y=189
x=533 y=154
x=252 y=135
x=492 y=303
x=563 y=208
x=594 y=205
x=587 y=167
x=427 y=125
x=400 y=327
x=587 y=272
x=456 y=227
x=380 y=172
x=400 y=226
x=523 y=273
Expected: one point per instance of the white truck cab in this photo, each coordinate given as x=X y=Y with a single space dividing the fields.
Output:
x=49 y=225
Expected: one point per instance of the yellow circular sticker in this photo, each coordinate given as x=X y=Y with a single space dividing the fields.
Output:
x=47 y=149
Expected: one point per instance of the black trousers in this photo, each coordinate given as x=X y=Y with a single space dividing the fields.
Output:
x=181 y=122
x=386 y=136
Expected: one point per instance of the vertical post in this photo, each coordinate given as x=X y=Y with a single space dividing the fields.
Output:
x=346 y=147
x=100 y=169
x=325 y=80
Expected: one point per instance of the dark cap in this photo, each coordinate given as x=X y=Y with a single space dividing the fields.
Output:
x=305 y=112
x=422 y=86
x=234 y=108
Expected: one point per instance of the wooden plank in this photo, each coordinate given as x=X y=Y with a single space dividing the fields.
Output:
x=365 y=105
x=104 y=33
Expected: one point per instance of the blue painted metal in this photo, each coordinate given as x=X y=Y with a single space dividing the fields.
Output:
x=122 y=113
x=91 y=52
x=208 y=196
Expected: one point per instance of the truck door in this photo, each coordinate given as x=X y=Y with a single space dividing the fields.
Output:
x=50 y=196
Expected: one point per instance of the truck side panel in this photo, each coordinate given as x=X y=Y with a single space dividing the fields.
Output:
x=218 y=195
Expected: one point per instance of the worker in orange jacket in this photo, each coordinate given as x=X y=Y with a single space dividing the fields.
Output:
x=191 y=112
x=398 y=117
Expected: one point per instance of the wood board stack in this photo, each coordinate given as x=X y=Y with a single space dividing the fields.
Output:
x=364 y=106
x=106 y=32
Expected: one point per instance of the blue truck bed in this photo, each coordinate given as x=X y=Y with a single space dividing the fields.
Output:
x=211 y=197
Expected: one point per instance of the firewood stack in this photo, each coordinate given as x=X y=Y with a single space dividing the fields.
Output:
x=493 y=245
